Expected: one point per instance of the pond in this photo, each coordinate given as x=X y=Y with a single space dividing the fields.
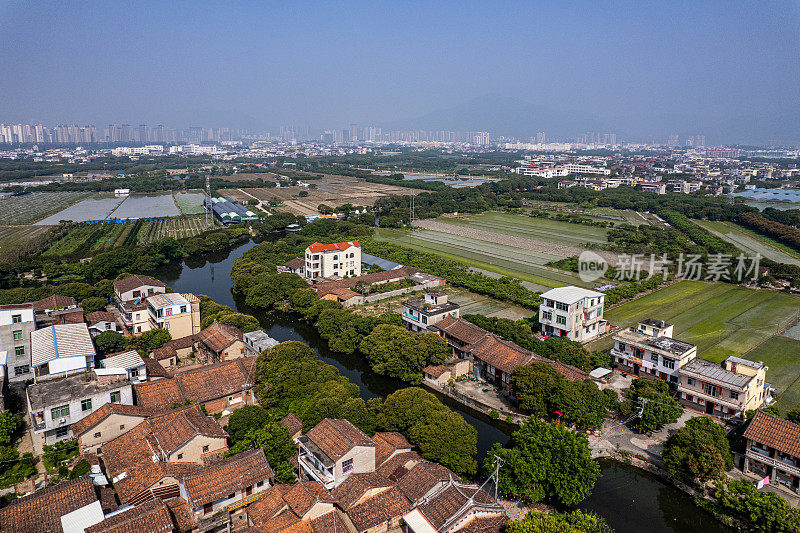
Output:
x=630 y=499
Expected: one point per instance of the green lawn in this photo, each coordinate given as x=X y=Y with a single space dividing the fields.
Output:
x=724 y=320
x=751 y=242
x=542 y=229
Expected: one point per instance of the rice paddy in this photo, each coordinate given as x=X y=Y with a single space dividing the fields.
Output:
x=751 y=242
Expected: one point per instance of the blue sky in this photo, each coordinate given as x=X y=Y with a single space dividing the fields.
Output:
x=642 y=68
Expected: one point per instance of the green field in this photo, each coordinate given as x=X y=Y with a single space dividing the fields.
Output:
x=13 y=237
x=190 y=202
x=751 y=242
x=542 y=229
x=35 y=206
x=505 y=260
x=179 y=228
x=606 y=214
x=724 y=320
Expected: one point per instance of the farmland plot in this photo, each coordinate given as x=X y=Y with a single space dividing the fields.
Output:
x=31 y=207
x=535 y=228
x=190 y=203
x=751 y=242
x=178 y=228
x=95 y=208
x=146 y=206
x=12 y=238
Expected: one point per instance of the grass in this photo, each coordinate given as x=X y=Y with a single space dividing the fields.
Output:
x=35 y=206
x=501 y=259
x=752 y=242
x=542 y=229
x=13 y=237
x=190 y=203
x=607 y=214
x=725 y=320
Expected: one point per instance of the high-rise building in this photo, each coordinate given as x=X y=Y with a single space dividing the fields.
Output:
x=541 y=138
x=144 y=133
x=700 y=141
x=353 y=132
x=673 y=140
x=482 y=138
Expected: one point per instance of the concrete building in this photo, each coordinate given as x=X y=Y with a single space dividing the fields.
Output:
x=61 y=350
x=424 y=311
x=177 y=313
x=334 y=449
x=17 y=322
x=257 y=341
x=339 y=259
x=572 y=312
x=726 y=390
x=130 y=296
x=649 y=349
x=773 y=450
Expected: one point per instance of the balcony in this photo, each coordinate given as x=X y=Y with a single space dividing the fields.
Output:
x=320 y=474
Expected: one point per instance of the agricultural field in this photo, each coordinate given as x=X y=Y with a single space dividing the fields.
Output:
x=11 y=238
x=146 y=206
x=179 y=228
x=190 y=203
x=98 y=207
x=605 y=214
x=89 y=239
x=751 y=242
x=724 y=320
x=511 y=261
x=28 y=208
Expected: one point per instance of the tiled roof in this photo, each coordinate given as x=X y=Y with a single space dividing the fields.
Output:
x=165 y=352
x=294 y=264
x=60 y=341
x=446 y=503
x=460 y=329
x=125 y=360
x=218 y=480
x=378 y=509
x=219 y=336
x=376 y=277
x=774 y=432
x=150 y=517
x=68 y=316
x=570 y=372
x=391 y=467
x=174 y=430
x=318 y=247
x=132 y=282
x=356 y=485
x=99 y=316
x=154 y=369
x=56 y=301
x=500 y=353
x=183 y=342
x=387 y=443
x=422 y=478
x=292 y=423
x=182 y=516
x=88 y=422
x=41 y=511
x=215 y=381
x=485 y=524
x=336 y=437
x=436 y=370
x=11 y=307
x=158 y=395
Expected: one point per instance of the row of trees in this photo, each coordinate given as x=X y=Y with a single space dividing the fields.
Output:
x=788 y=235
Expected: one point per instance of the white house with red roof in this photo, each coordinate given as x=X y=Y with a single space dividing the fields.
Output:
x=339 y=259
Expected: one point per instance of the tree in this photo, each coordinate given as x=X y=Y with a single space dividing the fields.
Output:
x=92 y=304
x=272 y=437
x=325 y=209
x=244 y=419
x=152 y=339
x=793 y=416
x=546 y=461
x=302 y=194
x=533 y=384
x=572 y=522
x=394 y=351
x=698 y=452
x=763 y=511
x=651 y=398
x=10 y=424
x=110 y=341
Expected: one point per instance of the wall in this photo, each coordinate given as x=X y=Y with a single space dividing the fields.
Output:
x=192 y=451
x=110 y=428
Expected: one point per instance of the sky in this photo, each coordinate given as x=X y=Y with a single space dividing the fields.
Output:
x=727 y=69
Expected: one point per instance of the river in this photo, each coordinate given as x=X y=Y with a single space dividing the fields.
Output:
x=630 y=499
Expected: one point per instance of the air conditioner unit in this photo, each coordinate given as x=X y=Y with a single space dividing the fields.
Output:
x=62 y=421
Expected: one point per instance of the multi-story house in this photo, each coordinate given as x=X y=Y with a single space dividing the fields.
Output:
x=106 y=424
x=460 y=334
x=61 y=350
x=334 y=449
x=220 y=342
x=17 y=322
x=339 y=259
x=773 y=450
x=101 y=321
x=648 y=348
x=724 y=390
x=177 y=313
x=129 y=296
x=125 y=365
x=54 y=405
x=424 y=311
x=572 y=312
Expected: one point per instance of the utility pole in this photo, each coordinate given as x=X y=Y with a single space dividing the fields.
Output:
x=498 y=462
x=411 y=209
x=210 y=203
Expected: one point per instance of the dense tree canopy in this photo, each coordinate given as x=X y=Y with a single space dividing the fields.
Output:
x=396 y=352
x=650 y=402
x=572 y=522
x=699 y=451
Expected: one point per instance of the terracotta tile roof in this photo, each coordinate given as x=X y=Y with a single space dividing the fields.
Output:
x=70 y=316
x=182 y=516
x=215 y=381
x=154 y=369
x=99 y=316
x=485 y=524
x=570 y=372
x=150 y=517
x=6 y=307
x=774 y=432
x=165 y=352
x=218 y=336
x=88 y=422
x=460 y=329
x=218 y=480
x=392 y=466
x=446 y=503
x=336 y=437
x=378 y=509
x=318 y=247
x=132 y=282
x=294 y=264
x=182 y=343
x=56 y=301
x=268 y=505
x=387 y=443
x=292 y=423
x=174 y=430
x=41 y=511
x=158 y=395
x=501 y=353
x=422 y=478
x=352 y=489
x=436 y=370
x=376 y=277
x=301 y=496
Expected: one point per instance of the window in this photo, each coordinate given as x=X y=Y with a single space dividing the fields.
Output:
x=654 y=357
x=16 y=319
x=183 y=309
x=547 y=315
x=59 y=412
x=21 y=369
x=712 y=390
x=18 y=335
x=621 y=347
x=168 y=311
x=690 y=382
x=205 y=448
x=231 y=496
x=166 y=325
x=134 y=372
x=97 y=435
x=259 y=484
x=62 y=432
x=115 y=396
x=180 y=456
x=86 y=405
x=561 y=320
x=19 y=350
x=347 y=466
x=669 y=363
x=734 y=395
x=562 y=306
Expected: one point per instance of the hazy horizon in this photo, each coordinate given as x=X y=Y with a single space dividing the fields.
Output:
x=727 y=70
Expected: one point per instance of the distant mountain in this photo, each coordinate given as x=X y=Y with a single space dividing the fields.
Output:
x=502 y=115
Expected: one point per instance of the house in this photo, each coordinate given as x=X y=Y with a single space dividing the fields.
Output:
x=389 y=444
x=440 y=375
x=149 y=460
x=17 y=322
x=339 y=259
x=101 y=321
x=257 y=341
x=56 y=302
x=216 y=493
x=150 y=517
x=221 y=387
x=60 y=350
x=220 y=342
x=726 y=390
x=43 y=510
x=129 y=365
x=572 y=312
x=334 y=449
x=649 y=349
x=460 y=334
x=344 y=290
x=293 y=424
x=305 y=506
x=106 y=424
x=177 y=313
x=154 y=370
x=296 y=266
x=54 y=405
x=773 y=450
x=167 y=356
x=129 y=296
x=419 y=313
x=180 y=349
x=456 y=507
x=371 y=502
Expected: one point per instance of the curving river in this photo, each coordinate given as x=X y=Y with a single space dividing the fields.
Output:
x=630 y=499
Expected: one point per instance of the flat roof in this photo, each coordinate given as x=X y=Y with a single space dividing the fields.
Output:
x=714 y=371
x=60 y=391
x=655 y=323
x=165 y=300
x=428 y=309
x=570 y=294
